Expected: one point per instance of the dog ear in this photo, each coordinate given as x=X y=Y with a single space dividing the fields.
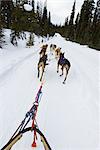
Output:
x=55 y=45
x=63 y=54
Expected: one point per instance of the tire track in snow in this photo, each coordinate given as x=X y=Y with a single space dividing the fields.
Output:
x=5 y=136
x=13 y=66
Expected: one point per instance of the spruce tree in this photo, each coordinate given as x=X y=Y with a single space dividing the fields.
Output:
x=95 y=38
x=77 y=21
x=45 y=26
x=66 y=22
x=84 y=25
x=6 y=11
x=44 y=17
x=17 y=21
x=38 y=11
x=31 y=40
x=17 y=24
x=1 y=33
x=71 y=23
x=65 y=30
x=17 y=2
x=33 y=5
x=76 y=26
x=49 y=19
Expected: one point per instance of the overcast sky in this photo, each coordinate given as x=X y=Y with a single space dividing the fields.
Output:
x=60 y=9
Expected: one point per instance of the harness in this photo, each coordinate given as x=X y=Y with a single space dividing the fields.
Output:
x=43 y=59
x=30 y=115
x=62 y=61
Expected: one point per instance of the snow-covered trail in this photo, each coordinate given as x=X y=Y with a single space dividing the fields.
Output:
x=68 y=114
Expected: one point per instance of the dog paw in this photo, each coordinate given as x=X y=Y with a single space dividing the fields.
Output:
x=63 y=82
x=61 y=75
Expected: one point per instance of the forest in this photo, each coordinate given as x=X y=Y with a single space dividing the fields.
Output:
x=83 y=29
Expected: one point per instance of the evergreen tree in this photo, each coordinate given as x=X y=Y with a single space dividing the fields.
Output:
x=21 y=2
x=71 y=23
x=76 y=25
x=64 y=30
x=38 y=11
x=6 y=11
x=31 y=40
x=13 y=37
x=49 y=19
x=66 y=22
x=44 y=24
x=33 y=5
x=95 y=37
x=44 y=17
x=17 y=2
x=17 y=21
x=17 y=25
x=1 y=33
x=77 y=21
x=84 y=25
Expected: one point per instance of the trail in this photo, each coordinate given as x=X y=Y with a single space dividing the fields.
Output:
x=68 y=115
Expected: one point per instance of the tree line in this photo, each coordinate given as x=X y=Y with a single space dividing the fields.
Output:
x=83 y=29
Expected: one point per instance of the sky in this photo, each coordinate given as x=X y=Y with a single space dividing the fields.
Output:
x=60 y=9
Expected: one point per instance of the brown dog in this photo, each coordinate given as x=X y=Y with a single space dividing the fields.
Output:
x=52 y=48
x=43 y=50
x=41 y=65
x=57 y=52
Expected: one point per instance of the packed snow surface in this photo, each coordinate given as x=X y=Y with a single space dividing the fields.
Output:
x=68 y=115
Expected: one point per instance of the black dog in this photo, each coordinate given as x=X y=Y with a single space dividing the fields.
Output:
x=65 y=64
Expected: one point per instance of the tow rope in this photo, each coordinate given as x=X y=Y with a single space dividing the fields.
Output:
x=30 y=115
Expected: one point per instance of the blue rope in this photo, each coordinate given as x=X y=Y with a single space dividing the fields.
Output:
x=30 y=114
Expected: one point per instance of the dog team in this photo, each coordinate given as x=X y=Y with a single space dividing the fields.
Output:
x=62 y=62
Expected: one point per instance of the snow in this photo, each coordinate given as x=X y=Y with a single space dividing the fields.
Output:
x=68 y=115
x=28 y=7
